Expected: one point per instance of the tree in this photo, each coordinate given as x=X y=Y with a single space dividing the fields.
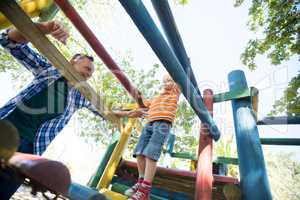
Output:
x=284 y=176
x=277 y=25
x=278 y=21
x=290 y=101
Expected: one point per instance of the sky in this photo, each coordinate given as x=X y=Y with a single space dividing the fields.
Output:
x=214 y=34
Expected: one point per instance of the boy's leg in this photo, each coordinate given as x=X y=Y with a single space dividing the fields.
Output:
x=140 y=146
x=141 y=165
x=7 y=186
x=153 y=150
x=141 y=161
x=152 y=153
x=150 y=170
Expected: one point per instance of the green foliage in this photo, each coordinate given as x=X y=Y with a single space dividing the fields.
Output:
x=278 y=23
x=290 y=102
x=183 y=2
x=284 y=176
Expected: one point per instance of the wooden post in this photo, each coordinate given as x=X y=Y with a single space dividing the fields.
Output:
x=204 y=179
x=254 y=180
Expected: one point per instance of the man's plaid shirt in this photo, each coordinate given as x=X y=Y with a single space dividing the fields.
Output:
x=44 y=75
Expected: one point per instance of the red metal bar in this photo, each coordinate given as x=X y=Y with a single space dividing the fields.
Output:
x=181 y=173
x=86 y=32
x=204 y=179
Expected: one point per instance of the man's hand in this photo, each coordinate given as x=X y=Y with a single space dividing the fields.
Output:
x=54 y=28
x=137 y=113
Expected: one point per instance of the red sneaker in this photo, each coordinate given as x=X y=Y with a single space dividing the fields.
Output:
x=129 y=192
x=140 y=195
x=143 y=193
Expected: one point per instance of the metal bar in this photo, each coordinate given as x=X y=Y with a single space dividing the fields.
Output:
x=204 y=179
x=280 y=141
x=93 y=41
x=254 y=180
x=179 y=173
x=168 y=23
x=146 y=25
x=283 y=120
x=23 y=23
x=226 y=160
x=104 y=160
x=80 y=192
x=184 y=155
x=116 y=155
x=236 y=94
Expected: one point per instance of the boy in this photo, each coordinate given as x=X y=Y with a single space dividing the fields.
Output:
x=160 y=116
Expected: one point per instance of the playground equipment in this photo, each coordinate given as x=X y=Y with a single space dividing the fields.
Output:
x=204 y=183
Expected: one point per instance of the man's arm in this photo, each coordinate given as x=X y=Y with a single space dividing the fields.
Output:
x=13 y=41
x=131 y=113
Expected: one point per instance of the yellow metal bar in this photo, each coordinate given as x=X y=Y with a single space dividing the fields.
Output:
x=193 y=165
x=116 y=156
x=113 y=195
x=32 y=8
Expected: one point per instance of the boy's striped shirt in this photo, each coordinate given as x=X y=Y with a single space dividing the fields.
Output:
x=164 y=106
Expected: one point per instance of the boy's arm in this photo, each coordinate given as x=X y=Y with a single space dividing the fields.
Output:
x=13 y=41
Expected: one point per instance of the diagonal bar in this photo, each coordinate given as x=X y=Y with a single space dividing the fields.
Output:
x=90 y=37
x=168 y=23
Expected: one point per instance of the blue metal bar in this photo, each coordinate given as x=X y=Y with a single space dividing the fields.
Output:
x=168 y=23
x=254 y=180
x=171 y=143
x=142 y=19
x=279 y=120
x=80 y=192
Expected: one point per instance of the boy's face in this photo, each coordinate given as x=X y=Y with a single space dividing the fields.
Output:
x=168 y=82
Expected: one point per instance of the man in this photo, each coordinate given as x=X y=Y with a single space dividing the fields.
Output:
x=44 y=107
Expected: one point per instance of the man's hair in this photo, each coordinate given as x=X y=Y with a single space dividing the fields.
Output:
x=80 y=55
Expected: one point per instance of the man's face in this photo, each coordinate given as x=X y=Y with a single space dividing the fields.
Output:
x=84 y=66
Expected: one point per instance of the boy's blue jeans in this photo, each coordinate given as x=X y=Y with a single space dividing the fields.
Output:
x=152 y=139
x=7 y=186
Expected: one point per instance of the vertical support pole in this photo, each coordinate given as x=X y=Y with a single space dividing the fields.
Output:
x=254 y=180
x=204 y=177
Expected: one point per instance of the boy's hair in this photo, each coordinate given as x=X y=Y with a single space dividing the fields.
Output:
x=80 y=55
